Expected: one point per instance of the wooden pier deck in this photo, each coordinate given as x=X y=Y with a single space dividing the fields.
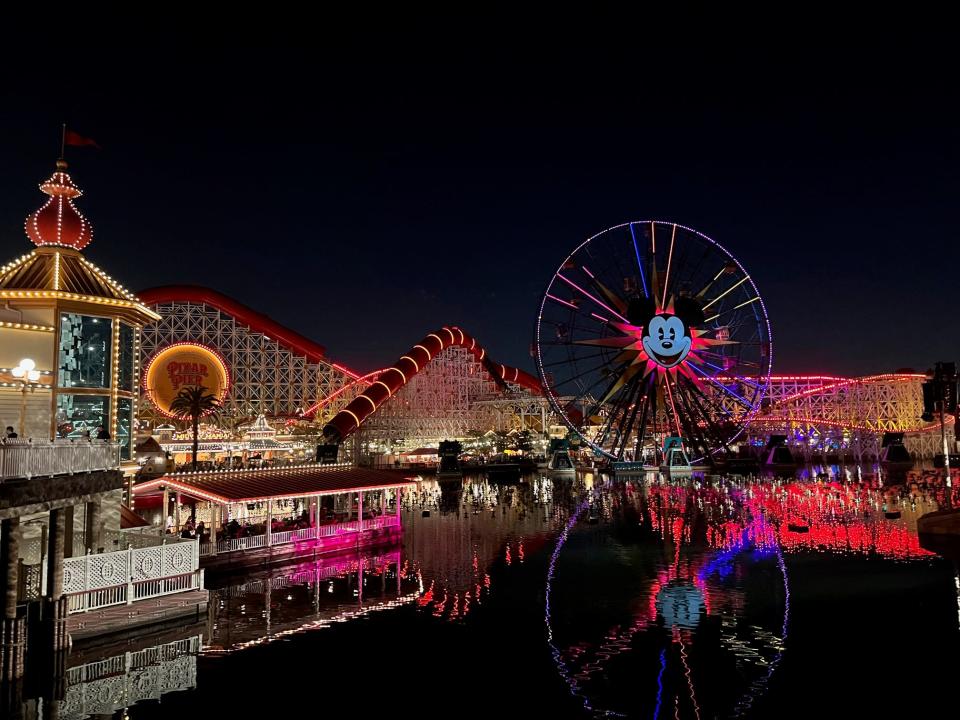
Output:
x=118 y=620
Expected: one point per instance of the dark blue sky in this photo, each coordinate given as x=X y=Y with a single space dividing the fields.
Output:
x=365 y=197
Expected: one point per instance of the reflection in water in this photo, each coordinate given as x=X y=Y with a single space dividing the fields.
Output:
x=663 y=598
x=674 y=600
x=306 y=597
x=452 y=536
x=113 y=683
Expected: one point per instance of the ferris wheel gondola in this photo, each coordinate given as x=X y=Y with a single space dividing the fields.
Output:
x=651 y=330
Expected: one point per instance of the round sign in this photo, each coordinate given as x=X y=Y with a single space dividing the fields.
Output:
x=184 y=365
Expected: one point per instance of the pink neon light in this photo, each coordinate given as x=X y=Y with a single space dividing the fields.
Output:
x=347 y=371
x=599 y=317
x=596 y=300
x=562 y=302
x=368 y=379
x=847 y=382
x=676 y=419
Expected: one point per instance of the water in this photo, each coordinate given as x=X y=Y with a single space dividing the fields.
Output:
x=585 y=598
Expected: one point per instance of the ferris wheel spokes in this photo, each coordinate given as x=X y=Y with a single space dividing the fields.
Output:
x=669 y=325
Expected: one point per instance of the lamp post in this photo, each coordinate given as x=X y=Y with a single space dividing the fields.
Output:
x=28 y=374
x=940 y=395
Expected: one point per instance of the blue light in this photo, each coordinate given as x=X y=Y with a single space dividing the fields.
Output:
x=663 y=666
x=639 y=263
x=722 y=386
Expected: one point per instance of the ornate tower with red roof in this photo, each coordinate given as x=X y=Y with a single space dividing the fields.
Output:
x=78 y=325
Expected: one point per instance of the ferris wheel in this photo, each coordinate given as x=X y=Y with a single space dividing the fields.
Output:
x=650 y=330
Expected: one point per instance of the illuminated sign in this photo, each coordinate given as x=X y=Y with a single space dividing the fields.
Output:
x=180 y=366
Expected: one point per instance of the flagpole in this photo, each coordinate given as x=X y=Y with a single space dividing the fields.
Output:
x=63 y=139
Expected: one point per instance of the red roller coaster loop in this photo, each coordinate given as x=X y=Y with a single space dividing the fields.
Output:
x=391 y=379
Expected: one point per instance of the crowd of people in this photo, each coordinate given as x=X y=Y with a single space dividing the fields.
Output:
x=235 y=529
x=238 y=463
x=102 y=433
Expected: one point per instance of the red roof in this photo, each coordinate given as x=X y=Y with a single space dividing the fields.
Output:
x=297 y=481
x=58 y=222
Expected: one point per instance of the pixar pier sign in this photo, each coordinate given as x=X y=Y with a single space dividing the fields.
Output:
x=184 y=365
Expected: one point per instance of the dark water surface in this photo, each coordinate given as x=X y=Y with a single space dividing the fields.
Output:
x=578 y=598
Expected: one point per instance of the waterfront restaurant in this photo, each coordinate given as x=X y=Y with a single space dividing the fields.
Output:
x=302 y=508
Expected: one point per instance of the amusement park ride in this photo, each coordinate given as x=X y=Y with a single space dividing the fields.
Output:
x=649 y=331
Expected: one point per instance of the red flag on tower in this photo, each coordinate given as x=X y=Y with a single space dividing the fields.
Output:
x=72 y=138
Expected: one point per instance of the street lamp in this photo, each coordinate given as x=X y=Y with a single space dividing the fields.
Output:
x=28 y=374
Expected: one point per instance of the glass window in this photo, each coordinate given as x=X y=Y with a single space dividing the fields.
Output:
x=124 y=423
x=81 y=416
x=125 y=371
x=84 y=357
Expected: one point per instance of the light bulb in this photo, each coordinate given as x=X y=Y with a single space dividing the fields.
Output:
x=27 y=364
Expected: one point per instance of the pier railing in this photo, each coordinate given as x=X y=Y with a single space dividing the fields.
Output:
x=122 y=577
x=25 y=459
x=255 y=542
x=105 y=686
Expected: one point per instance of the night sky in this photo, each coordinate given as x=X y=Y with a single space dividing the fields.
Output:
x=366 y=196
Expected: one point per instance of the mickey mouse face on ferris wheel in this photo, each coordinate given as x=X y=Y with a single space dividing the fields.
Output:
x=666 y=336
x=666 y=340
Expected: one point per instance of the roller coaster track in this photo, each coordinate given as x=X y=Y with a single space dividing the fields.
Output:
x=388 y=381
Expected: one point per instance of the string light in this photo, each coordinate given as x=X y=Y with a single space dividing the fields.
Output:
x=116 y=377
x=17 y=263
x=26 y=326
x=58 y=222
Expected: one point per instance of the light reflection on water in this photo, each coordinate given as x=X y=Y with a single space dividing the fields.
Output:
x=677 y=600
x=664 y=598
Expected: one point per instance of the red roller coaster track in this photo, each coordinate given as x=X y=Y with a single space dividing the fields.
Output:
x=399 y=374
x=258 y=322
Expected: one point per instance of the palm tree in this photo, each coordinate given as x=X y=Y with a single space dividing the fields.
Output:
x=194 y=402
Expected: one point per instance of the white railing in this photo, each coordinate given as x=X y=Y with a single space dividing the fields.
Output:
x=138 y=660
x=250 y=542
x=103 y=687
x=290 y=536
x=281 y=538
x=336 y=529
x=39 y=458
x=115 y=578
